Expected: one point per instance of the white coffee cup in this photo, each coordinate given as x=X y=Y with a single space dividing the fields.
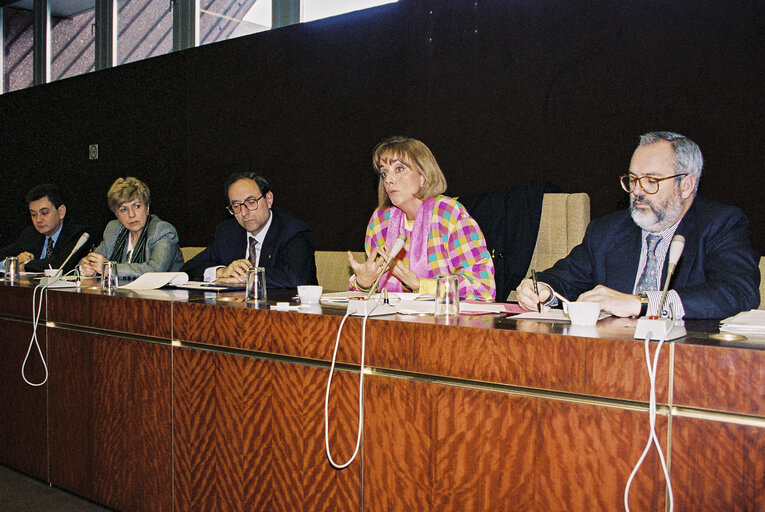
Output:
x=309 y=294
x=582 y=313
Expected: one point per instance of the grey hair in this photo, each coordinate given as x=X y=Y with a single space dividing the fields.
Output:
x=687 y=153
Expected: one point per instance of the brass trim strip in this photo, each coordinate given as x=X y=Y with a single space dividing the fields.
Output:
x=109 y=333
x=18 y=319
x=725 y=417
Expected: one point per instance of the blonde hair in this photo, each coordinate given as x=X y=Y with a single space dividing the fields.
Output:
x=127 y=189
x=418 y=157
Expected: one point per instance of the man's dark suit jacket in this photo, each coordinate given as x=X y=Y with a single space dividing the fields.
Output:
x=717 y=275
x=287 y=253
x=32 y=241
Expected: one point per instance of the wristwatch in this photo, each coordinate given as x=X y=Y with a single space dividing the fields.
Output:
x=643 y=298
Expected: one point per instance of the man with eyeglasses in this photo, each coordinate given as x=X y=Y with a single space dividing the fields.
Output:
x=48 y=242
x=621 y=263
x=257 y=235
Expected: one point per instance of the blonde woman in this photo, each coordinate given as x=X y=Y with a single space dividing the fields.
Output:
x=138 y=241
x=441 y=236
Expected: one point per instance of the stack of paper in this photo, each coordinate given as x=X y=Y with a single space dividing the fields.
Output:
x=747 y=322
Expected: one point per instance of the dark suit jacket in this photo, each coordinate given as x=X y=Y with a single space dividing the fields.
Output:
x=32 y=241
x=717 y=275
x=287 y=252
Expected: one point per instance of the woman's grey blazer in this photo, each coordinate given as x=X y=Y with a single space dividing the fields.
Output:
x=161 y=244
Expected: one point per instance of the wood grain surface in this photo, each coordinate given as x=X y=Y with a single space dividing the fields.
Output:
x=249 y=435
x=110 y=420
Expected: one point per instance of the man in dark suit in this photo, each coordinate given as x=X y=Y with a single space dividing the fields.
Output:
x=621 y=263
x=258 y=235
x=49 y=241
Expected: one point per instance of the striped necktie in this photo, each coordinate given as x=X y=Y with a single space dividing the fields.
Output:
x=253 y=252
x=49 y=249
x=649 y=281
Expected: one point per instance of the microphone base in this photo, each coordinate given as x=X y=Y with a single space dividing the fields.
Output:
x=57 y=282
x=659 y=329
x=360 y=307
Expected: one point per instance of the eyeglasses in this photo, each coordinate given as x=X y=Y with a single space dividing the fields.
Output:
x=649 y=184
x=251 y=203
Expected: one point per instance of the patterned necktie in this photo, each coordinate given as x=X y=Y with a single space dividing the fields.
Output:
x=49 y=249
x=649 y=281
x=253 y=252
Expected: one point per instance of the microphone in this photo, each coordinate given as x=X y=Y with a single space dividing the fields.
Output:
x=675 y=250
x=83 y=238
x=397 y=246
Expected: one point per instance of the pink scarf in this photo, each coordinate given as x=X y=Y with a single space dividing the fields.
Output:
x=418 y=243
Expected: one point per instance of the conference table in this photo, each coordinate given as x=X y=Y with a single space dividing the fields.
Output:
x=184 y=400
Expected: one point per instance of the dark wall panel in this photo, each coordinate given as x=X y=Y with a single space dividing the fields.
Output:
x=504 y=92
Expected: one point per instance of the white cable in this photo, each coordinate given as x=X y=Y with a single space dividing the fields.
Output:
x=652 y=422
x=33 y=341
x=361 y=389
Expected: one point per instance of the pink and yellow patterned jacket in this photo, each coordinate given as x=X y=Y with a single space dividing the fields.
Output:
x=455 y=246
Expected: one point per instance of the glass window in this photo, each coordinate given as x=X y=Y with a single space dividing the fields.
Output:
x=145 y=29
x=317 y=9
x=18 y=42
x=225 y=19
x=73 y=45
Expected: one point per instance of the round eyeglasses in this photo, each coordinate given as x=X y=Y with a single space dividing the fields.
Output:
x=251 y=203
x=649 y=184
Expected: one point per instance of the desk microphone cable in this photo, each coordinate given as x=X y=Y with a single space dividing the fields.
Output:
x=344 y=465
x=36 y=308
x=652 y=422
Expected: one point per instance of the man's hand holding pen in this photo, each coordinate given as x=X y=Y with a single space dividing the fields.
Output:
x=531 y=299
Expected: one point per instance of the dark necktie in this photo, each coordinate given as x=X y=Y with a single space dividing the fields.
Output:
x=649 y=281
x=49 y=249
x=253 y=252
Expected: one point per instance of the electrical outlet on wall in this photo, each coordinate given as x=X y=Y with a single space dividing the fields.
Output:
x=93 y=151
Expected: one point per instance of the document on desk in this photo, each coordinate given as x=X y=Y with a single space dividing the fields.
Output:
x=154 y=280
x=554 y=315
x=746 y=322
x=344 y=297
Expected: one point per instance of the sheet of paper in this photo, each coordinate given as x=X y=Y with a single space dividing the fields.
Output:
x=344 y=297
x=154 y=280
x=746 y=322
x=554 y=315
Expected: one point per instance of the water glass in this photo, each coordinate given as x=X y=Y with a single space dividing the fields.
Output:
x=109 y=277
x=447 y=296
x=256 y=285
x=12 y=269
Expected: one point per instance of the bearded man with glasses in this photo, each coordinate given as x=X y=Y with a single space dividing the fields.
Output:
x=621 y=263
x=257 y=235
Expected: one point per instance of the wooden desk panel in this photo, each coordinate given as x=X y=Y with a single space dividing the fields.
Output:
x=23 y=444
x=717 y=466
x=120 y=314
x=16 y=300
x=110 y=419
x=432 y=447
x=720 y=379
x=235 y=325
x=248 y=435
x=569 y=364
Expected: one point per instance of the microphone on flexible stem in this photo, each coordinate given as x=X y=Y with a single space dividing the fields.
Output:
x=675 y=250
x=83 y=238
x=397 y=246
x=655 y=327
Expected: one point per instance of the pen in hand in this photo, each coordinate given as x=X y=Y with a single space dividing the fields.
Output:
x=536 y=288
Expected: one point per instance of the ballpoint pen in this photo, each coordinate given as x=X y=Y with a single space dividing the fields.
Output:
x=536 y=288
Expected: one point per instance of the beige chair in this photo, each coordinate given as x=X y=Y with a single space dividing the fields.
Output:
x=190 y=252
x=562 y=225
x=333 y=270
x=762 y=282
